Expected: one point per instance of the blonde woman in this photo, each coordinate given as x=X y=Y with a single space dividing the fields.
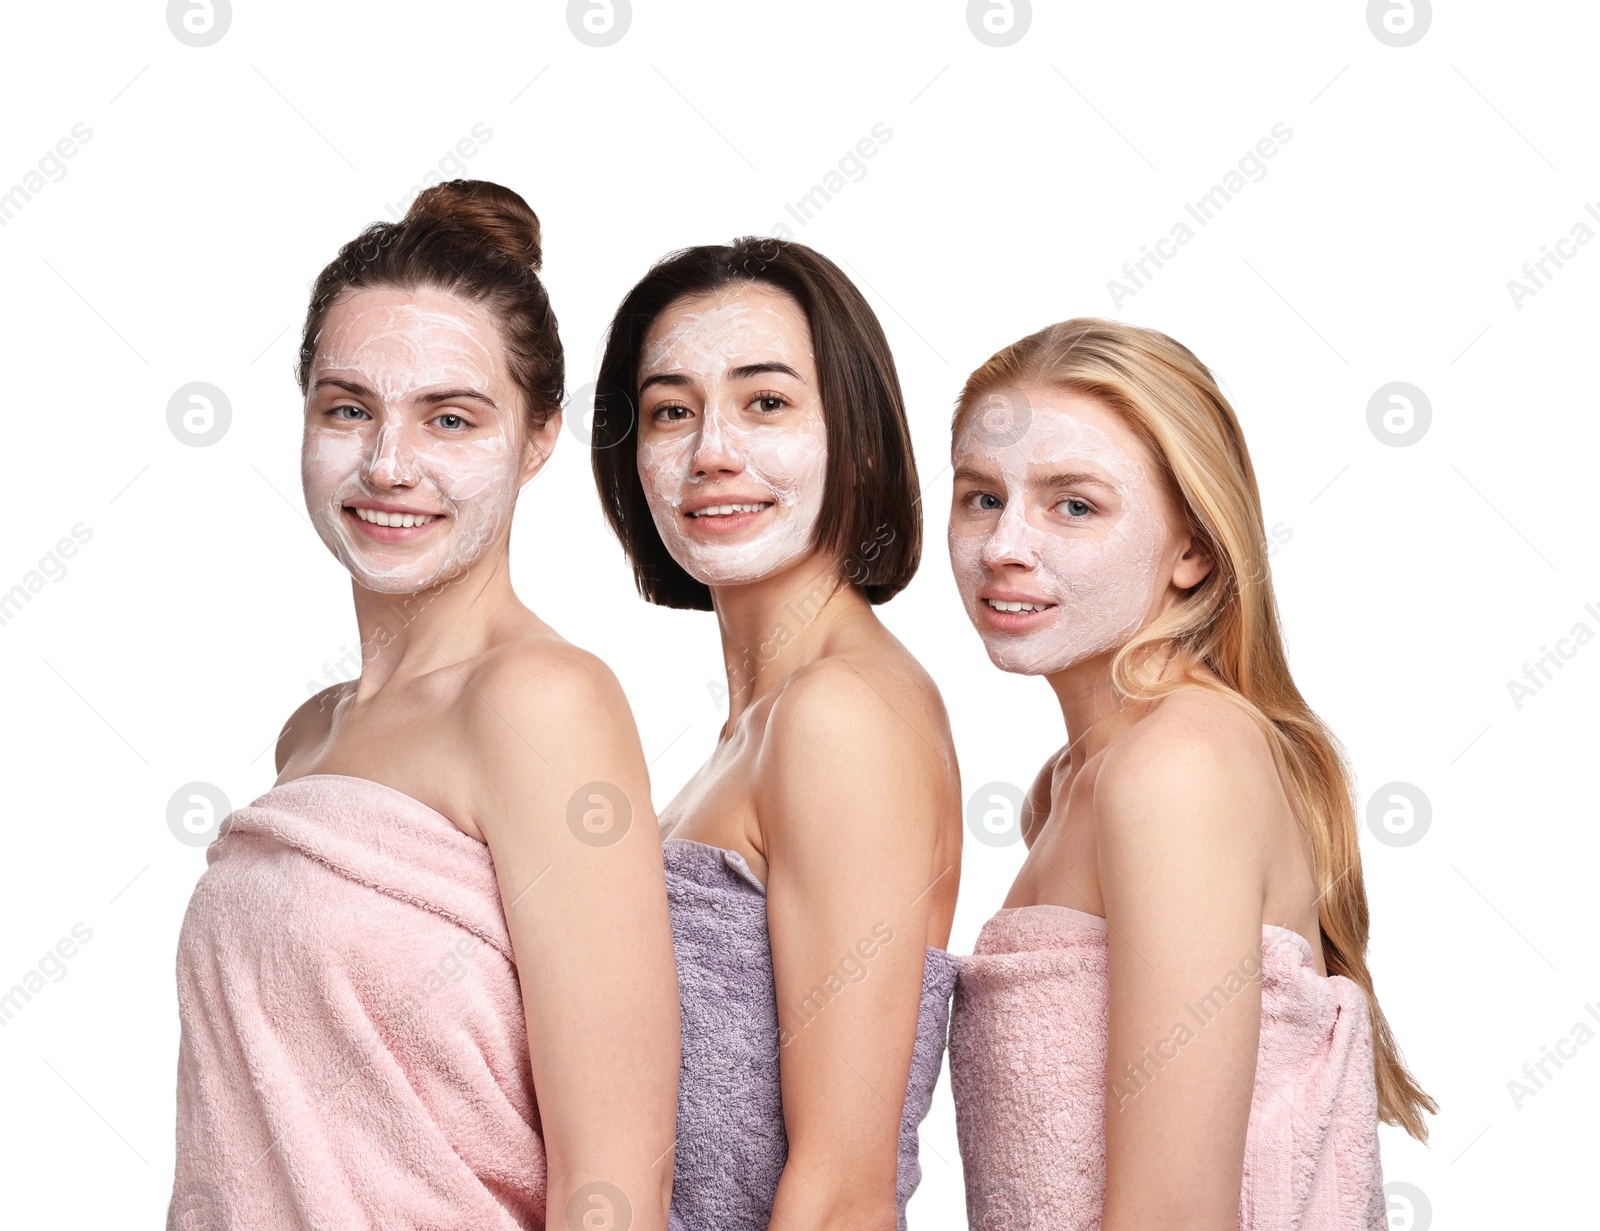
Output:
x=1170 y=1022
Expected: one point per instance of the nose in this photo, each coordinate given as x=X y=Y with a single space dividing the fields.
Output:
x=1012 y=541
x=715 y=451
x=393 y=460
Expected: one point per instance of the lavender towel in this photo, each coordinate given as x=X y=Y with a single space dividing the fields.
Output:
x=731 y=1139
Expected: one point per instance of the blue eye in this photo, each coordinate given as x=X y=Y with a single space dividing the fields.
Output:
x=455 y=424
x=1077 y=508
x=338 y=412
x=980 y=497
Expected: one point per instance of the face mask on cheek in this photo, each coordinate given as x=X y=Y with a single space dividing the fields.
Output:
x=1102 y=580
x=473 y=482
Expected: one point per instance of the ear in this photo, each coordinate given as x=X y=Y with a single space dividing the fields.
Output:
x=1194 y=564
x=538 y=446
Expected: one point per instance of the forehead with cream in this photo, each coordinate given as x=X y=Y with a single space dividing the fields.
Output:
x=1082 y=526
x=737 y=324
x=400 y=342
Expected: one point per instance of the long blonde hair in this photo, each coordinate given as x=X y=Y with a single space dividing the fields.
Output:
x=1229 y=621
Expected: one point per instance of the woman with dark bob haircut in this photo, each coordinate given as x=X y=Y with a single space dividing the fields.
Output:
x=752 y=454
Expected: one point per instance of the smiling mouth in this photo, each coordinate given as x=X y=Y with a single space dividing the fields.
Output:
x=730 y=510
x=377 y=517
x=996 y=604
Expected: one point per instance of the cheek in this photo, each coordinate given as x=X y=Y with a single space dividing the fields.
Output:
x=791 y=466
x=1133 y=551
x=328 y=459
x=474 y=471
x=966 y=551
x=663 y=468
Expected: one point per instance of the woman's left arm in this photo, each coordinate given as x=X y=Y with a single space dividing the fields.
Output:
x=849 y=808
x=1180 y=830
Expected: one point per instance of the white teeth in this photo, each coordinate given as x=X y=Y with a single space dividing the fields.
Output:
x=379 y=518
x=717 y=510
x=998 y=605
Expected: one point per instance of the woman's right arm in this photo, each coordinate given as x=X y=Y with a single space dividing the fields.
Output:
x=1181 y=827
x=563 y=800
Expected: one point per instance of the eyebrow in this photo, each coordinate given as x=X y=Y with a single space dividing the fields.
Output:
x=743 y=372
x=1062 y=478
x=663 y=378
x=747 y=370
x=1071 y=478
x=455 y=395
x=427 y=399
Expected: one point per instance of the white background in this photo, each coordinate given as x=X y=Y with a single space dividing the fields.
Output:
x=1415 y=581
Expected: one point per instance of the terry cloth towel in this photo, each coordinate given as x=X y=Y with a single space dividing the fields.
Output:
x=353 y=1050
x=1028 y=1072
x=731 y=1141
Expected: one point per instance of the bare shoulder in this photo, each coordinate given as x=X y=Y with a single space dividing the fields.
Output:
x=1196 y=759
x=826 y=700
x=309 y=722
x=849 y=708
x=543 y=686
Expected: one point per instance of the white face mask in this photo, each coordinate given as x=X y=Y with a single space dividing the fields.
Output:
x=1088 y=550
x=732 y=447
x=459 y=475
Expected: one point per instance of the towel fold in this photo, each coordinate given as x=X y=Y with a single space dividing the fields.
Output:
x=1028 y=1072
x=732 y=1145
x=353 y=1051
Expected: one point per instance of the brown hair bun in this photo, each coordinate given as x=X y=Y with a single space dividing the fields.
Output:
x=494 y=212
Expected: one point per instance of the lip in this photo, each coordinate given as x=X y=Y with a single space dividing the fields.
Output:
x=1013 y=621
x=389 y=534
x=388 y=506
x=723 y=523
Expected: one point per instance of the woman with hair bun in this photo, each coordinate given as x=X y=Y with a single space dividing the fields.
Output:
x=427 y=978
x=1171 y=1022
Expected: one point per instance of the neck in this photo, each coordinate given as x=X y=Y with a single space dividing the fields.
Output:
x=1094 y=712
x=404 y=636
x=773 y=627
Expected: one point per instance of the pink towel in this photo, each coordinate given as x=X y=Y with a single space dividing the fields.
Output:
x=353 y=1051
x=1028 y=1072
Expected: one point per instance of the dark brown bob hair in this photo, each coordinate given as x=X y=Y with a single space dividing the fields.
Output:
x=871 y=515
